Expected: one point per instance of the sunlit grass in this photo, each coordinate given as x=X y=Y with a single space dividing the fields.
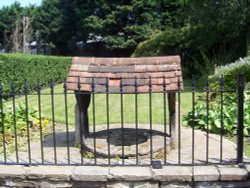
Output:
x=101 y=113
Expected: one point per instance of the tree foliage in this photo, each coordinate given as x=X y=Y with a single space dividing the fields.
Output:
x=219 y=24
x=167 y=42
x=11 y=24
x=205 y=33
x=121 y=24
x=217 y=33
x=52 y=21
x=124 y=24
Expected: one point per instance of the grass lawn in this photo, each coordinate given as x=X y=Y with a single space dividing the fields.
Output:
x=100 y=106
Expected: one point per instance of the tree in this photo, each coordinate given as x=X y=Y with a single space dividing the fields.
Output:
x=220 y=26
x=8 y=18
x=123 y=24
x=55 y=24
x=216 y=33
x=167 y=42
x=15 y=27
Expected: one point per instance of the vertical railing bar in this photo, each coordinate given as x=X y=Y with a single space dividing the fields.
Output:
x=207 y=119
x=66 y=118
x=122 y=119
x=79 y=93
x=94 y=123
x=14 y=120
x=193 y=117
x=136 y=119
x=53 y=120
x=107 y=111
x=40 y=119
x=170 y=127
x=165 y=120
x=221 y=118
x=27 y=118
x=240 y=118
x=2 y=118
x=150 y=118
x=179 y=120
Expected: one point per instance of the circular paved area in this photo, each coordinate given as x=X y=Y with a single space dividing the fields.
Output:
x=127 y=142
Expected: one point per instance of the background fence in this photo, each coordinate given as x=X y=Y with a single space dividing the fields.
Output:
x=124 y=129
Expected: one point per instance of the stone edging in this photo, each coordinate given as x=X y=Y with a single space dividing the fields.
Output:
x=109 y=177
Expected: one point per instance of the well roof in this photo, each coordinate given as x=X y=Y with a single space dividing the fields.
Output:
x=117 y=72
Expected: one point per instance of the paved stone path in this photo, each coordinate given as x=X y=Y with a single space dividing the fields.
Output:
x=60 y=154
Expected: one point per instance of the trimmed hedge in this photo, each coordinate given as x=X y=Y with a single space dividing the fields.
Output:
x=230 y=73
x=18 y=68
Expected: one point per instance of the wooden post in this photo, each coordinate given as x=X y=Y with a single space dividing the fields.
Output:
x=172 y=119
x=83 y=101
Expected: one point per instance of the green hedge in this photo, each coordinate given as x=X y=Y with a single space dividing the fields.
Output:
x=17 y=68
x=230 y=73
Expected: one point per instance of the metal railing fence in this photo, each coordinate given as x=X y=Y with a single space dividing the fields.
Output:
x=44 y=127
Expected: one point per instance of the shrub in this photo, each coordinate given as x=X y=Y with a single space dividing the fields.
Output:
x=18 y=68
x=214 y=118
x=230 y=73
x=228 y=118
x=20 y=119
x=17 y=126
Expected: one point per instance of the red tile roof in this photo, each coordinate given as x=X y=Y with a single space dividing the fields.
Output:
x=117 y=72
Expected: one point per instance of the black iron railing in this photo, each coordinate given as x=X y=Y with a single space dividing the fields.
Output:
x=121 y=134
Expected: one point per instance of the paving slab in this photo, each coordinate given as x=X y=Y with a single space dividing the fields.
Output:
x=173 y=173
x=130 y=173
x=205 y=173
x=54 y=173
x=247 y=167
x=232 y=173
x=91 y=173
x=12 y=171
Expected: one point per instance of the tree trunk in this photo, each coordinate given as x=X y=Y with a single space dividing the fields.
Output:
x=27 y=31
